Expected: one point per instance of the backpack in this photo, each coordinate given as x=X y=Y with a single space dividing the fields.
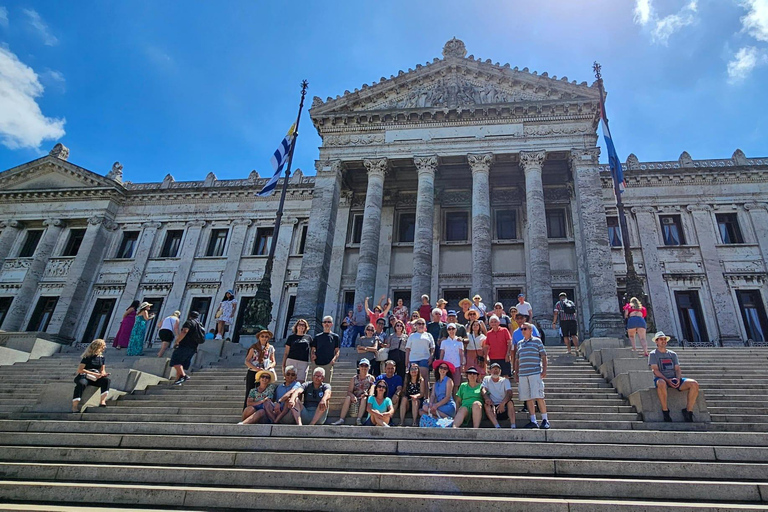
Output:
x=569 y=307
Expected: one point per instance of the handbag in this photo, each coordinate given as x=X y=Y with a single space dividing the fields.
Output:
x=91 y=377
x=429 y=421
x=218 y=314
x=382 y=354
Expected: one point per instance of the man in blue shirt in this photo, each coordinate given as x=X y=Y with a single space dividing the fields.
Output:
x=530 y=371
x=394 y=382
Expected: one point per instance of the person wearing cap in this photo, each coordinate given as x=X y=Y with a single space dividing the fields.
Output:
x=477 y=305
x=225 y=315
x=565 y=312
x=469 y=401
x=499 y=343
x=425 y=310
x=441 y=403
x=530 y=372
x=497 y=397
x=316 y=399
x=326 y=347
x=504 y=320
x=190 y=336
x=260 y=356
x=461 y=331
x=420 y=348
x=258 y=397
x=667 y=374
x=524 y=307
x=139 y=331
x=357 y=392
x=465 y=305
x=394 y=382
x=297 y=349
x=282 y=408
x=441 y=303
x=452 y=350
x=416 y=390
x=168 y=331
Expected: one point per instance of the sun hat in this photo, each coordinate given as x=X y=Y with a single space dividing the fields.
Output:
x=271 y=335
x=495 y=365
x=472 y=369
x=438 y=362
x=660 y=334
x=465 y=301
x=364 y=361
x=473 y=311
x=144 y=305
x=563 y=294
x=261 y=373
x=478 y=297
x=442 y=301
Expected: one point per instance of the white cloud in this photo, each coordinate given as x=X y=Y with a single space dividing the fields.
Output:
x=22 y=123
x=55 y=79
x=663 y=28
x=755 y=23
x=3 y=17
x=744 y=62
x=41 y=27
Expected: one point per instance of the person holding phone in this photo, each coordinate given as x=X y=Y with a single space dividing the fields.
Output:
x=92 y=372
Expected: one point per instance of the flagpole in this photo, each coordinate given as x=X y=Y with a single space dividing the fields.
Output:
x=258 y=313
x=634 y=284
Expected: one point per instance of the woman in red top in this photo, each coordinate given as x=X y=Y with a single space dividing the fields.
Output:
x=498 y=342
x=377 y=311
x=635 y=314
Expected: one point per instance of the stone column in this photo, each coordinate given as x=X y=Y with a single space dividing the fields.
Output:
x=140 y=257
x=316 y=262
x=280 y=268
x=8 y=237
x=658 y=291
x=421 y=283
x=727 y=314
x=604 y=319
x=23 y=300
x=758 y=213
x=186 y=258
x=482 y=271
x=82 y=273
x=367 y=260
x=539 y=274
x=234 y=253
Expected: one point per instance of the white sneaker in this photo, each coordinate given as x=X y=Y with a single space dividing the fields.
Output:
x=338 y=422
x=218 y=337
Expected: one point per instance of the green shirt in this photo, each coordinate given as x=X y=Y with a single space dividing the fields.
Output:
x=469 y=395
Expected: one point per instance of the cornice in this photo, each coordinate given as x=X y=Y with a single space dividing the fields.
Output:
x=688 y=177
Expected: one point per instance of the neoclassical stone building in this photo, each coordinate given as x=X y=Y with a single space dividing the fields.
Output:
x=460 y=176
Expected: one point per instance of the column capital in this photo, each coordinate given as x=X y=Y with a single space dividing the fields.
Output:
x=532 y=159
x=698 y=208
x=643 y=209
x=54 y=222
x=585 y=156
x=480 y=162
x=152 y=225
x=196 y=223
x=16 y=224
x=756 y=206
x=328 y=167
x=103 y=221
x=376 y=166
x=426 y=164
x=242 y=222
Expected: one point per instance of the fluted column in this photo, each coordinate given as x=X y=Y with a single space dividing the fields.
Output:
x=186 y=258
x=604 y=317
x=421 y=283
x=8 y=237
x=140 y=257
x=482 y=271
x=82 y=273
x=368 y=257
x=539 y=274
x=23 y=299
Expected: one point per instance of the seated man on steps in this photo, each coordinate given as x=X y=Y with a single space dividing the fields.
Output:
x=497 y=396
x=316 y=395
x=667 y=374
x=283 y=408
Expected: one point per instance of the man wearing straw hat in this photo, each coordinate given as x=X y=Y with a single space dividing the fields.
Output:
x=667 y=374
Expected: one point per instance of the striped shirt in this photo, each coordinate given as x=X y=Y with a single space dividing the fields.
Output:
x=562 y=315
x=529 y=355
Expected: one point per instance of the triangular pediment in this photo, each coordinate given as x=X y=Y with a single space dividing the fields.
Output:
x=51 y=173
x=456 y=82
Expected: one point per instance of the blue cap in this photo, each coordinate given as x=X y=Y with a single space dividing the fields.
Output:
x=451 y=312
x=521 y=295
x=365 y=362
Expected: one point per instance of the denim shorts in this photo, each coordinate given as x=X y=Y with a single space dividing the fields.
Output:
x=423 y=363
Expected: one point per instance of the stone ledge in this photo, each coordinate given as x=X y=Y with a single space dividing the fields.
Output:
x=604 y=355
x=610 y=369
x=592 y=344
x=627 y=383
x=647 y=403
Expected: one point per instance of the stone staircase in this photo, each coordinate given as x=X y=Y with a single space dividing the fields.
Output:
x=178 y=448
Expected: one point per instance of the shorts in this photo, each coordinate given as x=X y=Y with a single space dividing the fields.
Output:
x=531 y=387
x=165 y=335
x=636 y=322
x=183 y=356
x=569 y=328
x=423 y=363
x=506 y=366
x=308 y=413
x=657 y=379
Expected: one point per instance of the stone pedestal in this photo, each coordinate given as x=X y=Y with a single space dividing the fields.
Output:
x=613 y=367
x=647 y=403
x=628 y=382
x=421 y=283
x=604 y=355
x=592 y=344
x=482 y=271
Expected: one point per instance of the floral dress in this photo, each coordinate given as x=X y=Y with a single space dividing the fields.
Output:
x=349 y=333
x=136 y=345
x=228 y=311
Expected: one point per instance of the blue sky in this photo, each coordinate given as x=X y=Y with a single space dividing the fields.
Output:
x=189 y=87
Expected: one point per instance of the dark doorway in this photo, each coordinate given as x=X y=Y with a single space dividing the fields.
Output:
x=202 y=305
x=691 y=319
x=43 y=313
x=97 y=325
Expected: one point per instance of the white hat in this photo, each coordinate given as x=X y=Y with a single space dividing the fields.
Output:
x=660 y=334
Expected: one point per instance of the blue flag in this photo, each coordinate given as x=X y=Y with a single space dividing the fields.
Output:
x=613 y=159
x=278 y=161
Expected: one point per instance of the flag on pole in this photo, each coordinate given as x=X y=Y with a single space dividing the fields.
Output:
x=613 y=159
x=278 y=161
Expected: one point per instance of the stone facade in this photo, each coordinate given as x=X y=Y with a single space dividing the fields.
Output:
x=457 y=177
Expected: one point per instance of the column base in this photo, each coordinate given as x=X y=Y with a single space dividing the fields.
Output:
x=607 y=325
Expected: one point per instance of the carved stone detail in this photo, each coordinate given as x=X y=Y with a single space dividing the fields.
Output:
x=456 y=198
x=455 y=48
x=481 y=162
x=242 y=222
x=196 y=223
x=60 y=151
x=529 y=159
x=376 y=167
x=58 y=267
x=756 y=206
x=685 y=159
x=426 y=163
x=54 y=222
x=632 y=161
x=585 y=157
x=152 y=225
x=116 y=173
x=353 y=140
x=739 y=157
x=699 y=208
x=643 y=209
x=16 y=224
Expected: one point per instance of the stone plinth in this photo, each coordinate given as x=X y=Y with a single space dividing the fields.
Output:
x=598 y=357
x=635 y=380
x=593 y=344
x=619 y=365
x=647 y=403
x=10 y=356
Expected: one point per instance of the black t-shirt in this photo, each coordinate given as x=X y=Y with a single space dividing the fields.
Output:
x=93 y=363
x=298 y=346
x=325 y=347
x=313 y=395
x=195 y=334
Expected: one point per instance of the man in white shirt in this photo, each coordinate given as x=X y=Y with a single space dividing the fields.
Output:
x=523 y=307
x=497 y=397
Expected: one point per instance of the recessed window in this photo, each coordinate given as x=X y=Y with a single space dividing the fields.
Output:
x=556 y=224
x=128 y=244
x=672 y=230
x=356 y=230
x=30 y=243
x=406 y=227
x=302 y=239
x=456 y=226
x=97 y=325
x=217 y=242
x=506 y=225
x=614 y=231
x=263 y=241
x=728 y=226
x=73 y=243
x=202 y=305
x=43 y=313
x=172 y=243
x=5 y=306
x=753 y=314
x=691 y=319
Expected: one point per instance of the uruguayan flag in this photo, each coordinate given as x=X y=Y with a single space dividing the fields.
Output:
x=278 y=161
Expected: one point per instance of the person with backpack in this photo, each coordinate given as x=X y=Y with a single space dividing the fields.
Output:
x=191 y=335
x=565 y=312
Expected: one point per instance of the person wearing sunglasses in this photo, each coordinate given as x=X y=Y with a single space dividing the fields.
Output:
x=259 y=396
x=441 y=403
x=282 y=408
x=357 y=393
x=416 y=390
x=367 y=346
x=530 y=372
x=380 y=409
x=326 y=347
x=452 y=350
x=420 y=347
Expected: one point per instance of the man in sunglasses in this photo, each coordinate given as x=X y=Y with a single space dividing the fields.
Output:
x=325 y=348
x=530 y=372
x=283 y=410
